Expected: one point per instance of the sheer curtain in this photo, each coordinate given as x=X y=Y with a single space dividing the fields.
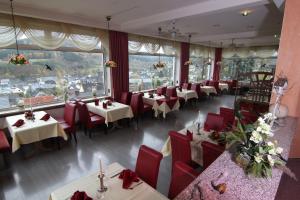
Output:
x=245 y=52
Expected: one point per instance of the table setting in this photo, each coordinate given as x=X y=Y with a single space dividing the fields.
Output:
x=208 y=89
x=187 y=94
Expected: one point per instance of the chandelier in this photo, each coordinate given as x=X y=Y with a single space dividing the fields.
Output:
x=18 y=59
x=109 y=63
x=160 y=64
x=208 y=60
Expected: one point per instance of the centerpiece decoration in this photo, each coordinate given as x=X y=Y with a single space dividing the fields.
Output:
x=18 y=59
x=109 y=63
x=160 y=64
x=256 y=152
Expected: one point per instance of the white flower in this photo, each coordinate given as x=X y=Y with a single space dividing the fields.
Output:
x=272 y=151
x=279 y=150
x=261 y=120
x=258 y=158
x=256 y=137
x=270 y=144
x=271 y=160
x=259 y=129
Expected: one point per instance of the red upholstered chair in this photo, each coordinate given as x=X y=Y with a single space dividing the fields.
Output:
x=181 y=149
x=215 y=84
x=248 y=117
x=138 y=106
x=186 y=86
x=210 y=152
x=68 y=122
x=214 y=122
x=126 y=98
x=147 y=165
x=161 y=90
x=197 y=88
x=228 y=116
x=4 y=144
x=171 y=92
x=90 y=120
x=182 y=176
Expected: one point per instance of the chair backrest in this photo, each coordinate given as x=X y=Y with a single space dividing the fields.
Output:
x=228 y=116
x=161 y=90
x=83 y=112
x=126 y=98
x=171 y=92
x=210 y=152
x=137 y=104
x=196 y=87
x=187 y=86
x=181 y=149
x=69 y=113
x=248 y=117
x=214 y=122
x=182 y=176
x=147 y=165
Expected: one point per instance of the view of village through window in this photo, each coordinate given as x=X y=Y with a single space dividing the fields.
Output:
x=143 y=76
x=73 y=75
x=198 y=71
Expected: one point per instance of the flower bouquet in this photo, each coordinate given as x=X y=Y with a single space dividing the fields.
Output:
x=110 y=63
x=19 y=59
x=256 y=152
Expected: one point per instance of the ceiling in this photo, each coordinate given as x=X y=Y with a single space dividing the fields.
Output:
x=208 y=21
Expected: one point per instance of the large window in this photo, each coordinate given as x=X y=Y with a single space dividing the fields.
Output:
x=198 y=70
x=143 y=76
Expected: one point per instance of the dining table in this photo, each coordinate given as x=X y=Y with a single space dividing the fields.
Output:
x=196 y=148
x=223 y=86
x=33 y=130
x=208 y=89
x=91 y=183
x=187 y=94
x=111 y=113
x=161 y=104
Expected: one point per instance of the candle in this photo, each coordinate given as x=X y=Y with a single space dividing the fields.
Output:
x=101 y=170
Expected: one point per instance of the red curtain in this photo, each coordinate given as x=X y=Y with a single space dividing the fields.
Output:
x=217 y=68
x=118 y=42
x=184 y=56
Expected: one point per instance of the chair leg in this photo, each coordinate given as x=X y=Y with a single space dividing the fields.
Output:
x=75 y=137
x=85 y=130
x=105 y=129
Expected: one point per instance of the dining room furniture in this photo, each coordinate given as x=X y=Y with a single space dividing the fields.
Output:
x=223 y=86
x=90 y=120
x=68 y=121
x=215 y=84
x=90 y=184
x=182 y=175
x=187 y=94
x=161 y=90
x=147 y=165
x=228 y=117
x=239 y=185
x=208 y=90
x=111 y=113
x=211 y=152
x=4 y=144
x=248 y=117
x=197 y=88
x=33 y=130
x=171 y=92
x=186 y=86
x=126 y=98
x=138 y=106
x=214 y=122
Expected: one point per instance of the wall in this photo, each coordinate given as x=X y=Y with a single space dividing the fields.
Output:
x=288 y=63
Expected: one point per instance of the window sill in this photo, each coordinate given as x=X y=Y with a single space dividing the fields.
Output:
x=16 y=111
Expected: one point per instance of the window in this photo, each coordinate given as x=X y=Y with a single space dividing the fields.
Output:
x=143 y=76
x=75 y=74
x=198 y=71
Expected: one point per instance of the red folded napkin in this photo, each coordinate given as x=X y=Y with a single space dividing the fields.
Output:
x=19 y=123
x=128 y=177
x=189 y=134
x=104 y=105
x=46 y=117
x=96 y=102
x=80 y=196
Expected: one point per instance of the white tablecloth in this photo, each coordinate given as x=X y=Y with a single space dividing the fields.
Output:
x=113 y=113
x=151 y=101
x=90 y=184
x=209 y=89
x=187 y=94
x=223 y=86
x=196 y=148
x=33 y=131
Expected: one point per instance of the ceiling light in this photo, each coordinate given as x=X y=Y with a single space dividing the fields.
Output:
x=245 y=12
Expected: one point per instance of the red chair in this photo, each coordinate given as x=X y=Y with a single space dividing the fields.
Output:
x=171 y=92
x=210 y=152
x=4 y=145
x=147 y=165
x=186 y=86
x=138 y=106
x=214 y=122
x=215 y=84
x=182 y=176
x=90 y=122
x=68 y=122
x=126 y=98
x=161 y=90
x=248 y=117
x=228 y=116
x=181 y=149
x=197 y=88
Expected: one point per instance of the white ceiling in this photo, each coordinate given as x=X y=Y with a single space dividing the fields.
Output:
x=207 y=20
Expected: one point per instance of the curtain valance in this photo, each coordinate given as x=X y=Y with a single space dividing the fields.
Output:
x=50 y=34
x=248 y=52
x=201 y=51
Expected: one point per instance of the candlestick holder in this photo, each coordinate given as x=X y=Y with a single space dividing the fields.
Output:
x=102 y=187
